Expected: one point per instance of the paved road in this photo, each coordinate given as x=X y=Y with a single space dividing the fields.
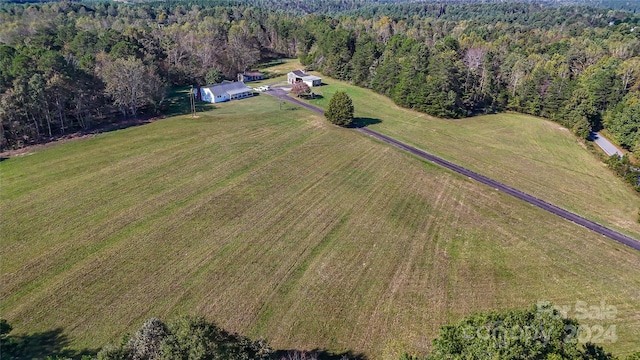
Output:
x=605 y=144
x=281 y=94
x=565 y=214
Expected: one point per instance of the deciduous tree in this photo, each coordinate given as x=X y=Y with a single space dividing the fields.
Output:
x=185 y=338
x=536 y=333
x=300 y=89
x=214 y=76
x=132 y=84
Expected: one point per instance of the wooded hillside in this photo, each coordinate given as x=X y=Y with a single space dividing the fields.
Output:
x=73 y=66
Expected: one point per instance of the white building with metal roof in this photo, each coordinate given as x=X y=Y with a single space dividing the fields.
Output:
x=299 y=75
x=225 y=92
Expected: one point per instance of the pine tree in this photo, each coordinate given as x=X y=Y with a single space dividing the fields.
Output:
x=340 y=109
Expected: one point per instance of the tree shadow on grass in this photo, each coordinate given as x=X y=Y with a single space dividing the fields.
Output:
x=312 y=96
x=316 y=354
x=272 y=61
x=52 y=343
x=178 y=103
x=361 y=122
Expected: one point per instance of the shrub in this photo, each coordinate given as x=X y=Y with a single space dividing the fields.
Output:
x=185 y=338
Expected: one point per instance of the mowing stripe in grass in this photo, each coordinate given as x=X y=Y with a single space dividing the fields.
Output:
x=556 y=210
x=579 y=220
x=387 y=279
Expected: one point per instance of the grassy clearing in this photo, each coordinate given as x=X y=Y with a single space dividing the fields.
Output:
x=274 y=224
x=532 y=154
x=280 y=66
x=276 y=72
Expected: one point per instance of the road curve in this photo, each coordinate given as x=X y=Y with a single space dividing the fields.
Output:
x=606 y=145
x=565 y=214
x=282 y=95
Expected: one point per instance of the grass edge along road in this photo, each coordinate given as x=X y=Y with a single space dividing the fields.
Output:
x=556 y=210
x=565 y=214
x=529 y=153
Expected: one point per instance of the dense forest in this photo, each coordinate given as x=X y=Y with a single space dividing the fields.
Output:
x=68 y=66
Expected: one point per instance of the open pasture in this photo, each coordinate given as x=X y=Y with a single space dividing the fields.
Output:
x=275 y=224
x=532 y=154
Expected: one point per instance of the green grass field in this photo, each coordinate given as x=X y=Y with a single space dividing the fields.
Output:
x=276 y=72
x=532 y=154
x=274 y=224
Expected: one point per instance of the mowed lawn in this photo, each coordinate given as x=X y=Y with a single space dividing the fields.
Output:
x=274 y=224
x=529 y=153
x=276 y=72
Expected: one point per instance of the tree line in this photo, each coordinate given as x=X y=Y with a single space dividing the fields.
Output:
x=581 y=76
x=66 y=66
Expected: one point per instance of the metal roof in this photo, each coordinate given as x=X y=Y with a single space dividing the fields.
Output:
x=238 y=91
x=253 y=73
x=304 y=76
x=228 y=88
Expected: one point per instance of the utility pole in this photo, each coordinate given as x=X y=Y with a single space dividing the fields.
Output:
x=193 y=102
